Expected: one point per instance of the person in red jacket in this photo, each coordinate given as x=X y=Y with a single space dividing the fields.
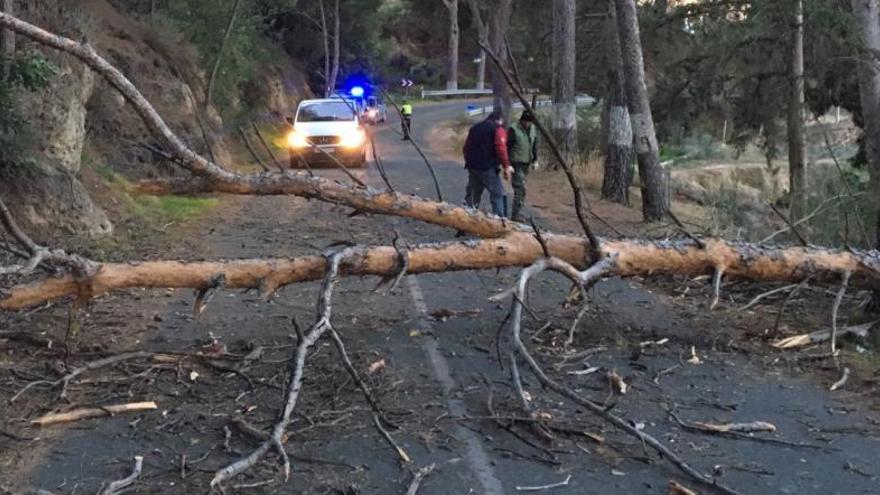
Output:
x=485 y=158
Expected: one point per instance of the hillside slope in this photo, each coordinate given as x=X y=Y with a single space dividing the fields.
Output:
x=78 y=119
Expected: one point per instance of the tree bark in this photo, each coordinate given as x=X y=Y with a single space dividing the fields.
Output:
x=481 y=71
x=209 y=91
x=334 y=71
x=618 y=175
x=7 y=44
x=499 y=22
x=797 y=166
x=867 y=13
x=630 y=258
x=452 y=62
x=325 y=34
x=482 y=29
x=564 y=57
x=655 y=203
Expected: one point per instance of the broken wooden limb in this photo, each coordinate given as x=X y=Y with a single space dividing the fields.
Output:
x=754 y=426
x=716 y=287
x=205 y=295
x=415 y=145
x=65 y=380
x=295 y=381
x=676 y=488
x=251 y=150
x=37 y=254
x=92 y=412
x=266 y=147
x=844 y=377
x=119 y=485
x=581 y=206
x=823 y=336
x=740 y=435
x=567 y=270
x=418 y=477
x=544 y=487
x=356 y=377
x=835 y=309
x=404 y=457
x=755 y=300
x=617 y=382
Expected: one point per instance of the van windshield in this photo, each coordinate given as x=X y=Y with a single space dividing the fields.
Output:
x=326 y=112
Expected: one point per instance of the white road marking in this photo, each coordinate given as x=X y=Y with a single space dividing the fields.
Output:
x=476 y=455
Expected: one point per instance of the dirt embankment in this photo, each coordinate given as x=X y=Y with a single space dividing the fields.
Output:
x=81 y=131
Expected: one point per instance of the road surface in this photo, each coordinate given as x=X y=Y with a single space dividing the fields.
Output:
x=436 y=335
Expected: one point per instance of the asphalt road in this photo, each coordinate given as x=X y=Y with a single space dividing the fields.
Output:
x=436 y=336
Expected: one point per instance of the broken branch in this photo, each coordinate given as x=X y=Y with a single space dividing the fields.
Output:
x=92 y=412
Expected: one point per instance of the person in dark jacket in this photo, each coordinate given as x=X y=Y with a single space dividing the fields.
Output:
x=522 y=146
x=485 y=157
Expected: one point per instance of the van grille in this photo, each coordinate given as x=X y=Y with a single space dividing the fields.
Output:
x=322 y=140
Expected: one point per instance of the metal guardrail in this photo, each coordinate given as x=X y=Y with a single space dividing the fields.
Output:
x=581 y=101
x=427 y=93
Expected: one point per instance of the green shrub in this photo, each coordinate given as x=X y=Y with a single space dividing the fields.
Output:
x=28 y=72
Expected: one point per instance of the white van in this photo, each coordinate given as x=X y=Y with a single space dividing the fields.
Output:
x=324 y=128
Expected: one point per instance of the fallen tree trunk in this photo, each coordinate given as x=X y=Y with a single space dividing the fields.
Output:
x=292 y=183
x=630 y=258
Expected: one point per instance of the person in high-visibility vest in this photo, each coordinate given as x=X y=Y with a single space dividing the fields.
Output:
x=406 y=111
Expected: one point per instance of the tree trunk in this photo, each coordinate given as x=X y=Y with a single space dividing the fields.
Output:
x=499 y=21
x=564 y=57
x=481 y=71
x=797 y=166
x=325 y=34
x=655 y=203
x=629 y=258
x=209 y=91
x=452 y=63
x=867 y=13
x=7 y=44
x=483 y=34
x=334 y=72
x=618 y=129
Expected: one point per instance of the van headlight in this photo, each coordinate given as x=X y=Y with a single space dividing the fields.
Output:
x=352 y=138
x=297 y=140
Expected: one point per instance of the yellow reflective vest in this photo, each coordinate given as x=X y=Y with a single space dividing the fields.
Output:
x=406 y=110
